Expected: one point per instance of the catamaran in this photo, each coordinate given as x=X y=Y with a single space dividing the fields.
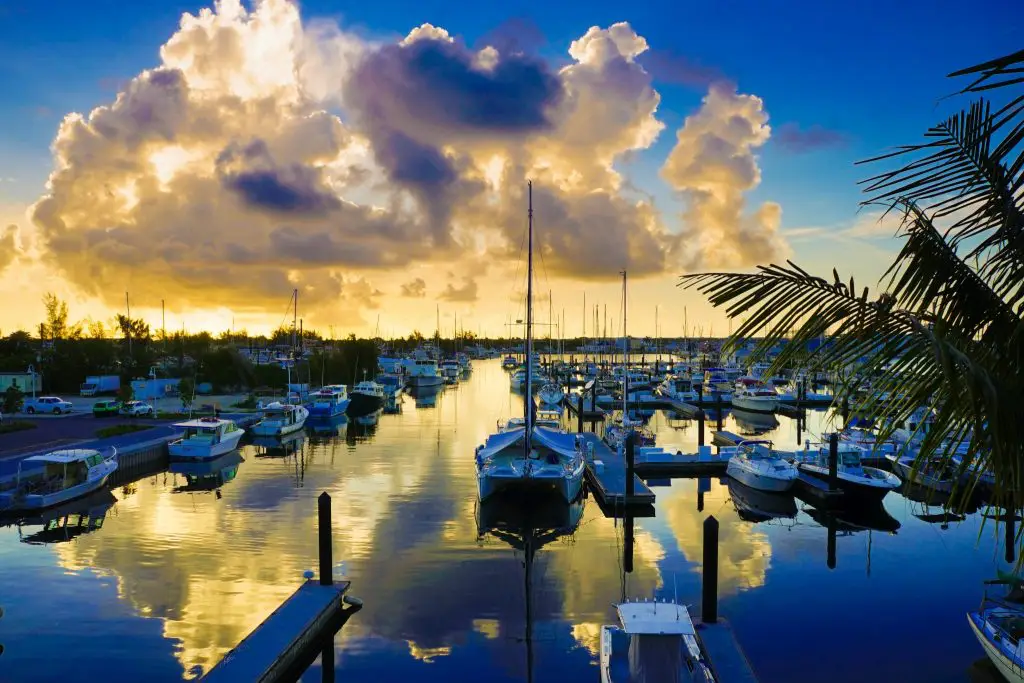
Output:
x=531 y=457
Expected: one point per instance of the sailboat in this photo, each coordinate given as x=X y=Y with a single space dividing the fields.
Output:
x=531 y=457
x=615 y=434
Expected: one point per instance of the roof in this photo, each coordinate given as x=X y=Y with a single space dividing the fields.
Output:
x=208 y=422
x=655 y=618
x=65 y=456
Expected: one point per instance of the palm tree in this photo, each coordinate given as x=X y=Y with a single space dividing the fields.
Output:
x=947 y=332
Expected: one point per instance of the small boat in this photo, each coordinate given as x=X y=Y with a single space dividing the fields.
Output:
x=716 y=381
x=509 y=363
x=757 y=465
x=366 y=397
x=616 y=432
x=678 y=389
x=391 y=384
x=550 y=419
x=423 y=372
x=551 y=394
x=43 y=481
x=933 y=473
x=656 y=641
x=205 y=439
x=329 y=401
x=857 y=481
x=280 y=419
x=999 y=626
x=756 y=398
x=450 y=371
x=518 y=379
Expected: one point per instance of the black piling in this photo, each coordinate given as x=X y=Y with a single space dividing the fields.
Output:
x=700 y=426
x=833 y=461
x=799 y=427
x=700 y=393
x=1010 y=538
x=718 y=419
x=630 y=459
x=701 y=486
x=324 y=529
x=327 y=662
x=579 y=414
x=627 y=549
x=709 y=580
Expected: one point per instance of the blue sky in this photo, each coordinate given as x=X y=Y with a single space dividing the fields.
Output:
x=871 y=71
x=839 y=81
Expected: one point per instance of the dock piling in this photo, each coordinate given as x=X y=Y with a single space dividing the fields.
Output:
x=833 y=461
x=630 y=463
x=709 y=576
x=627 y=548
x=327 y=662
x=324 y=534
x=579 y=416
x=718 y=401
x=700 y=427
x=1010 y=540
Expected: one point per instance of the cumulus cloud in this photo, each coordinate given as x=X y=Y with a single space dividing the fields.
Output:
x=799 y=140
x=9 y=250
x=712 y=166
x=465 y=291
x=667 y=66
x=264 y=153
x=416 y=288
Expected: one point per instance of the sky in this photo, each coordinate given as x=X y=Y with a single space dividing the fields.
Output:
x=374 y=156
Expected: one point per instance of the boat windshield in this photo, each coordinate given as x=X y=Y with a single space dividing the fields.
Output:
x=849 y=459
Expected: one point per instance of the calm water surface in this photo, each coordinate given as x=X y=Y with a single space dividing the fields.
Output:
x=175 y=578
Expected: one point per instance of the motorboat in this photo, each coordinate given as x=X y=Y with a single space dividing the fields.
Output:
x=205 y=438
x=656 y=641
x=450 y=371
x=677 y=389
x=509 y=363
x=329 y=401
x=391 y=383
x=616 y=432
x=716 y=381
x=423 y=372
x=280 y=419
x=756 y=464
x=551 y=394
x=856 y=480
x=998 y=624
x=43 y=481
x=366 y=397
x=932 y=473
x=757 y=398
x=760 y=506
x=518 y=379
x=532 y=457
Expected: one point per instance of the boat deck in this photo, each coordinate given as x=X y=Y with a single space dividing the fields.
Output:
x=606 y=475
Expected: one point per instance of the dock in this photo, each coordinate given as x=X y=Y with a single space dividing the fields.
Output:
x=726 y=438
x=728 y=661
x=596 y=414
x=816 y=492
x=606 y=476
x=681 y=408
x=703 y=463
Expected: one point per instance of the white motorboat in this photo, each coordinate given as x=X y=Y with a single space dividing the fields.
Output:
x=677 y=389
x=531 y=457
x=551 y=394
x=423 y=372
x=999 y=626
x=932 y=473
x=542 y=418
x=43 y=481
x=280 y=419
x=756 y=398
x=366 y=397
x=205 y=438
x=616 y=432
x=656 y=641
x=757 y=465
x=450 y=371
x=857 y=481
x=329 y=401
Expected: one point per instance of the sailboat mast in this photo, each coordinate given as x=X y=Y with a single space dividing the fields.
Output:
x=625 y=354
x=529 y=321
x=295 y=318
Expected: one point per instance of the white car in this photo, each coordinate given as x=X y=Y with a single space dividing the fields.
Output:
x=47 y=404
x=137 y=409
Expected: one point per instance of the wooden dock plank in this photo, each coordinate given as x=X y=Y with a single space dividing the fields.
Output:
x=270 y=650
x=606 y=473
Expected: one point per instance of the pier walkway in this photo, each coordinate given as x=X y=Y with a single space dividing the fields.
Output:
x=606 y=475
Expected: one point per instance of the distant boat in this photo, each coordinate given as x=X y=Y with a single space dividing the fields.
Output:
x=56 y=478
x=677 y=389
x=551 y=394
x=756 y=398
x=422 y=372
x=932 y=473
x=450 y=371
x=366 y=397
x=391 y=384
x=280 y=419
x=329 y=401
x=999 y=626
x=509 y=363
x=656 y=641
x=757 y=465
x=205 y=438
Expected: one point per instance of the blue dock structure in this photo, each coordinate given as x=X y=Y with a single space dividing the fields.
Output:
x=288 y=640
x=607 y=477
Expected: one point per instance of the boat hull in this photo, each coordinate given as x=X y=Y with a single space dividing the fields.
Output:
x=35 y=502
x=362 y=404
x=426 y=381
x=755 y=404
x=907 y=473
x=331 y=410
x=852 y=488
x=491 y=484
x=1011 y=671
x=183 y=452
x=759 y=481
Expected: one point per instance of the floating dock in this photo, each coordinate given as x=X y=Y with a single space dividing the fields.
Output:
x=606 y=475
x=728 y=662
x=272 y=650
x=660 y=463
x=816 y=492
x=727 y=438
x=684 y=409
x=597 y=414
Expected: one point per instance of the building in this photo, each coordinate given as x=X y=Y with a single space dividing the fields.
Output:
x=23 y=380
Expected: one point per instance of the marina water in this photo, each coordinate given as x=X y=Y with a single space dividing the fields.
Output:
x=172 y=579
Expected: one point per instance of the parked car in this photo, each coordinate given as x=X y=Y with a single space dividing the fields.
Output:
x=106 y=408
x=47 y=404
x=137 y=409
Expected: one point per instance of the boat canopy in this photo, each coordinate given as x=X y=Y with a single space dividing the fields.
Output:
x=64 y=457
x=500 y=441
x=556 y=440
x=655 y=618
x=203 y=423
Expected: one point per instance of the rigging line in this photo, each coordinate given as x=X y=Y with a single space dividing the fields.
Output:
x=519 y=263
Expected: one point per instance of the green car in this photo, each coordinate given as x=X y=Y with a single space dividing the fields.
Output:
x=106 y=408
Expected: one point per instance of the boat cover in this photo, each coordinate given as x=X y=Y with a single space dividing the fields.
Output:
x=557 y=440
x=656 y=659
x=500 y=441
